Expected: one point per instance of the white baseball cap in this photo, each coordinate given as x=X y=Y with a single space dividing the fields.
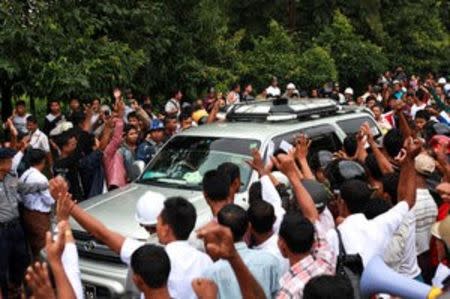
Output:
x=290 y=86
x=349 y=90
x=148 y=208
x=442 y=81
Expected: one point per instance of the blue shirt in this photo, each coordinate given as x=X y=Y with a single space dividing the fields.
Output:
x=263 y=265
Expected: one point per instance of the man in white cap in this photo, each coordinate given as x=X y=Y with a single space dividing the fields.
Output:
x=348 y=94
x=290 y=91
x=174 y=218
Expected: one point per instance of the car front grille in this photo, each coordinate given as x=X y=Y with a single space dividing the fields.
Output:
x=89 y=247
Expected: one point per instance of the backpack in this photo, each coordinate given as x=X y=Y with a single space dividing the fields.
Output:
x=349 y=266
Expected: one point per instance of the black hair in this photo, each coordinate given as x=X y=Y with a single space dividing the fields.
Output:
x=50 y=102
x=128 y=128
x=147 y=106
x=356 y=194
x=74 y=99
x=390 y=185
x=230 y=169
x=96 y=99
x=375 y=207
x=371 y=164
x=180 y=215
x=262 y=216
x=255 y=192
x=235 y=85
x=424 y=114
x=152 y=264
x=131 y=115
x=36 y=156
x=20 y=103
x=77 y=118
x=32 y=119
x=169 y=118
x=350 y=145
x=184 y=116
x=62 y=139
x=421 y=95
x=216 y=185
x=235 y=218
x=328 y=287
x=393 y=142
x=175 y=92
x=293 y=223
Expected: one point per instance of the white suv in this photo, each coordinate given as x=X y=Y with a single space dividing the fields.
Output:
x=177 y=170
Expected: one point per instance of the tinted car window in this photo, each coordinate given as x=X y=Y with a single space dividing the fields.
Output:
x=351 y=126
x=323 y=138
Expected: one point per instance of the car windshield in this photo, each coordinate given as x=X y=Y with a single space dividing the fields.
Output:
x=185 y=159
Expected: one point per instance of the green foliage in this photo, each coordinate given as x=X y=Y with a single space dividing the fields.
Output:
x=56 y=49
x=277 y=54
x=357 y=60
x=418 y=39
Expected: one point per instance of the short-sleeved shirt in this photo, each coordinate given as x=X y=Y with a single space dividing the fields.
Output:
x=39 y=140
x=263 y=265
x=187 y=263
x=322 y=260
x=368 y=237
x=20 y=123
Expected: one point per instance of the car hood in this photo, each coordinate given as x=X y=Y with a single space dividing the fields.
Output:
x=116 y=209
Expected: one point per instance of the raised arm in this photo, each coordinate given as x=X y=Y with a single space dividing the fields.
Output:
x=301 y=154
x=219 y=242
x=67 y=207
x=407 y=181
x=143 y=116
x=54 y=251
x=403 y=123
x=383 y=163
x=286 y=164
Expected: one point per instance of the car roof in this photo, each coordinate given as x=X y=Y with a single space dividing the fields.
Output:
x=262 y=130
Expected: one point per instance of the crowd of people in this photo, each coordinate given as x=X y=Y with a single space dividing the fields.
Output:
x=311 y=215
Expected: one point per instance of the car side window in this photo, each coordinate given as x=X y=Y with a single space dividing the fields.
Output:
x=323 y=137
x=351 y=126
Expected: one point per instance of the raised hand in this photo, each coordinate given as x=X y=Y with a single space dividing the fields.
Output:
x=365 y=129
x=38 y=281
x=218 y=240
x=285 y=163
x=205 y=288
x=302 y=144
x=117 y=94
x=58 y=186
x=257 y=162
x=55 y=248
x=64 y=206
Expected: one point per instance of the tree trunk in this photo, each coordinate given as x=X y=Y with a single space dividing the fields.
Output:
x=7 y=106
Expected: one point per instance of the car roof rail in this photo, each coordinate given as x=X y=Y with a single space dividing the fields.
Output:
x=282 y=109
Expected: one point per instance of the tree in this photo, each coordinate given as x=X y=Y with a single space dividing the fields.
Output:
x=417 y=37
x=51 y=49
x=357 y=60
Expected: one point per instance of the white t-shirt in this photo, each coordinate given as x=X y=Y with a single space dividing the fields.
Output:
x=39 y=140
x=400 y=254
x=416 y=108
x=187 y=263
x=274 y=91
x=20 y=122
x=368 y=237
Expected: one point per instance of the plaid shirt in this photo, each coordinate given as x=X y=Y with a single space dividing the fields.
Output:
x=322 y=260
